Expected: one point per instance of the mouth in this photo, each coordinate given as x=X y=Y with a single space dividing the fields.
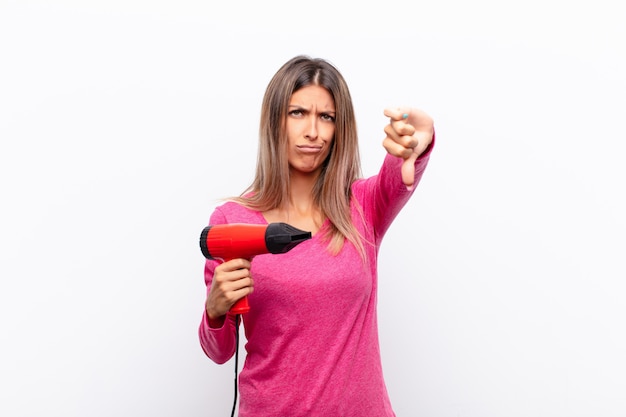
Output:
x=309 y=149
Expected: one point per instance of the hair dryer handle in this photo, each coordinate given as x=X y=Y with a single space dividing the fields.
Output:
x=241 y=306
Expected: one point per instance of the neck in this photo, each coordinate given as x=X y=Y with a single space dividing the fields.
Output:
x=301 y=190
x=300 y=210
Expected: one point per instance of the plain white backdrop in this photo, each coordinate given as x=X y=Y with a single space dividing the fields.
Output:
x=123 y=122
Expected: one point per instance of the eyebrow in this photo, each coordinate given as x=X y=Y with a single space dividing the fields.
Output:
x=299 y=107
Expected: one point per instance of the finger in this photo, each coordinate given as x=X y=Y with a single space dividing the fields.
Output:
x=223 y=278
x=398 y=121
x=396 y=113
x=239 y=289
x=233 y=269
x=408 y=171
x=234 y=264
x=405 y=139
x=417 y=118
x=396 y=149
x=238 y=276
x=401 y=133
x=237 y=285
x=400 y=128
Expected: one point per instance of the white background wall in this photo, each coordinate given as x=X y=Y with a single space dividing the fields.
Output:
x=122 y=123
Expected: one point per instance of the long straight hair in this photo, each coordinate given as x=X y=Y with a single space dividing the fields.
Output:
x=332 y=191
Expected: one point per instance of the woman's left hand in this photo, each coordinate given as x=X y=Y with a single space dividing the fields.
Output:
x=409 y=133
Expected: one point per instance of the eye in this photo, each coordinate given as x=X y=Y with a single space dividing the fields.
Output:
x=295 y=112
x=327 y=117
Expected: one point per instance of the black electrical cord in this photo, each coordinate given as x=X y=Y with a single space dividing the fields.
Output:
x=237 y=318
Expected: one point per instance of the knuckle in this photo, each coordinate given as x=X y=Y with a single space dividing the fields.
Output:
x=230 y=297
x=410 y=142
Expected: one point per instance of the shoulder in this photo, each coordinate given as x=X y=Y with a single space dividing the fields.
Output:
x=232 y=212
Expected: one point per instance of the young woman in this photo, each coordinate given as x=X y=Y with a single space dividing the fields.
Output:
x=312 y=332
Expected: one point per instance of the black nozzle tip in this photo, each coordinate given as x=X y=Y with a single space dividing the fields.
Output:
x=282 y=237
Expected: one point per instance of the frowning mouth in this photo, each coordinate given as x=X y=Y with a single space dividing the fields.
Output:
x=309 y=149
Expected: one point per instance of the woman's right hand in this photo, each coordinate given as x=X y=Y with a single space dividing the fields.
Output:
x=409 y=133
x=231 y=282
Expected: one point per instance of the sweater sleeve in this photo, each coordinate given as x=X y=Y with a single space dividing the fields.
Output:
x=385 y=193
x=217 y=343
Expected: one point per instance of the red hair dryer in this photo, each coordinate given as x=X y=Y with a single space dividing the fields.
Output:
x=224 y=242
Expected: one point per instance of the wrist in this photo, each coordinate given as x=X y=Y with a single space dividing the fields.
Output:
x=215 y=322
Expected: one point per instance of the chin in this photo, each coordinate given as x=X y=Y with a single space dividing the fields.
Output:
x=315 y=169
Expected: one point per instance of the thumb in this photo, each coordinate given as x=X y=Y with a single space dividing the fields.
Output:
x=408 y=171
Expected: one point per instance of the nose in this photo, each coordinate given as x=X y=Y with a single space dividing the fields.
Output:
x=311 y=129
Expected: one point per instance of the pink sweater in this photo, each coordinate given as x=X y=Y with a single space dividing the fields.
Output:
x=312 y=332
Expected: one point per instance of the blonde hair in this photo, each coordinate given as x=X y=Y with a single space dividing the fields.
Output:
x=332 y=191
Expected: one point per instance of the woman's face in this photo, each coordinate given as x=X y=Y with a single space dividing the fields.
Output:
x=310 y=128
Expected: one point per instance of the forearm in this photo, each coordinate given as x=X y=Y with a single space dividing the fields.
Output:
x=390 y=194
x=217 y=334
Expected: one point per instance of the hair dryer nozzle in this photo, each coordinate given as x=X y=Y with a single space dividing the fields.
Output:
x=282 y=237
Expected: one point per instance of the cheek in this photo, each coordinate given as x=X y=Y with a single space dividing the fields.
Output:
x=290 y=130
x=329 y=147
x=329 y=133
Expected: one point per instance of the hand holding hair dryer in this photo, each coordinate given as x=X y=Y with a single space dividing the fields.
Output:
x=224 y=242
